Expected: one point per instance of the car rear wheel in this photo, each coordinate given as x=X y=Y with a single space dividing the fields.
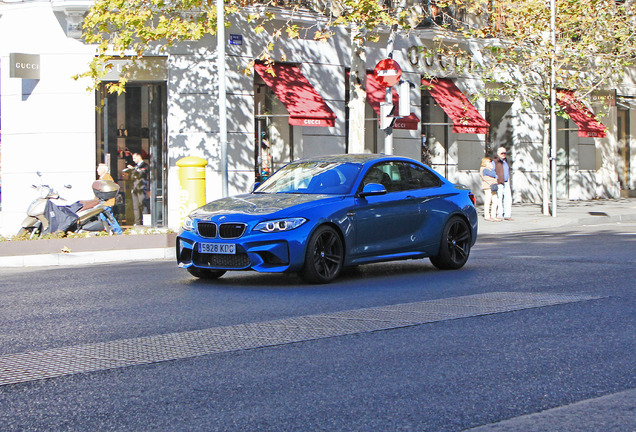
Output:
x=455 y=245
x=205 y=273
x=324 y=257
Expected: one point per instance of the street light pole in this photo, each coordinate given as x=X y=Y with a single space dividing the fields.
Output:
x=388 y=97
x=220 y=44
x=553 y=119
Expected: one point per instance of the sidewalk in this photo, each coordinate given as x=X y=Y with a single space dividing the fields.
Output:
x=142 y=247
x=528 y=217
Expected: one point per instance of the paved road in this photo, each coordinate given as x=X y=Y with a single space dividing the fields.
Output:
x=566 y=364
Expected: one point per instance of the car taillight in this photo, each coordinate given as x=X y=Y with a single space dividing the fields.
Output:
x=472 y=197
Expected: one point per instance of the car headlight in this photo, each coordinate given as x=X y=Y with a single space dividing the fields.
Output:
x=188 y=223
x=279 y=225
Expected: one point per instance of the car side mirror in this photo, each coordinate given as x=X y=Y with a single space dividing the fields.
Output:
x=372 y=189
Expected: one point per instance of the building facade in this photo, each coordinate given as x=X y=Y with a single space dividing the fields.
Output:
x=50 y=123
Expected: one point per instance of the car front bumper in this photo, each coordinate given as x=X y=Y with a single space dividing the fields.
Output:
x=266 y=252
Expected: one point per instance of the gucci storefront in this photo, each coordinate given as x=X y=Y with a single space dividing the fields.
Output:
x=135 y=122
x=170 y=110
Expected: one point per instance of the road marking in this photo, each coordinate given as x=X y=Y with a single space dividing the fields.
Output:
x=58 y=362
x=614 y=412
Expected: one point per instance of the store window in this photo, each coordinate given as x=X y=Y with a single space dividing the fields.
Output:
x=129 y=124
x=372 y=132
x=624 y=153
x=283 y=99
x=565 y=128
x=501 y=128
x=274 y=146
x=435 y=135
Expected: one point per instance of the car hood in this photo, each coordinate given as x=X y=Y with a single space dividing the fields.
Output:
x=258 y=204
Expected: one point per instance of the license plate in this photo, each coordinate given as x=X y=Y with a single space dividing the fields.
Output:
x=218 y=248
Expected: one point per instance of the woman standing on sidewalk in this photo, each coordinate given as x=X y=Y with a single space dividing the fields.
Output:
x=489 y=186
x=502 y=168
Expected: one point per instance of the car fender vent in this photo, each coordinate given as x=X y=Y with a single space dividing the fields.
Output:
x=231 y=230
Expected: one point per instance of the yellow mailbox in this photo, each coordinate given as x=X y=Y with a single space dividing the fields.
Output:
x=192 y=182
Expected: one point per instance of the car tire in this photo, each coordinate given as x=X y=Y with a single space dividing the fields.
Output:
x=205 y=273
x=324 y=257
x=454 y=246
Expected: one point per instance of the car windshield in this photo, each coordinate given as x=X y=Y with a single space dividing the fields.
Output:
x=312 y=178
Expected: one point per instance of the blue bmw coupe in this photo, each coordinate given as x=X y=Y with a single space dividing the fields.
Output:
x=316 y=216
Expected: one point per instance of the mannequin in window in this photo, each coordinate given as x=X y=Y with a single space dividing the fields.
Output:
x=266 y=159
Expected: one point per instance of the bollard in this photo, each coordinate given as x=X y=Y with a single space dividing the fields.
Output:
x=192 y=182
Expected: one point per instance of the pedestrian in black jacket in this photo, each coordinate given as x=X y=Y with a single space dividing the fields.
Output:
x=139 y=177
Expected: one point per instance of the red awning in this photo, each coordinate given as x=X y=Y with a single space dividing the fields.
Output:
x=583 y=117
x=465 y=117
x=376 y=94
x=306 y=107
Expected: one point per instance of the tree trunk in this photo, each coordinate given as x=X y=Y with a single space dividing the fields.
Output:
x=357 y=92
x=545 y=165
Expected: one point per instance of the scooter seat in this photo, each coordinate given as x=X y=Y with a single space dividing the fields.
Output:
x=87 y=204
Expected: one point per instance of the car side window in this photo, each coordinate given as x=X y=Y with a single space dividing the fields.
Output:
x=421 y=178
x=388 y=174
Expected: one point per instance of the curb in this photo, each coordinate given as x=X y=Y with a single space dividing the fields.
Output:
x=79 y=251
x=93 y=257
x=602 y=219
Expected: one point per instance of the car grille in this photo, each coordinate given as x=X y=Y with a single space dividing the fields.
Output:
x=225 y=230
x=231 y=230
x=207 y=229
x=238 y=261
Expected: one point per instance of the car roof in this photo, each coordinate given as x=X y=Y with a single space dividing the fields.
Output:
x=352 y=158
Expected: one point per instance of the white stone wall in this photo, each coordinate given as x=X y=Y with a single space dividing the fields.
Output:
x=48 y=125
x=632 y=148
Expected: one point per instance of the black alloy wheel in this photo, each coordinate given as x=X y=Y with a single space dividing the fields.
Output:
x=324 y=257
x=205 y=273
x=455 y=245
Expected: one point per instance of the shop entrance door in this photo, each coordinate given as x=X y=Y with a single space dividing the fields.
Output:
x=134 y=122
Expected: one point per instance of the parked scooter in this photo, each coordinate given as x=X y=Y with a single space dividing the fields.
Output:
x=44 y=216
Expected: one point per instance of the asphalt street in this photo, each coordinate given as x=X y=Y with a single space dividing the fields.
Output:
x=558 y=367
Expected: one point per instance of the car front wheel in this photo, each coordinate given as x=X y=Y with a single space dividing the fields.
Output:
x=324 y=257
x=455 y=245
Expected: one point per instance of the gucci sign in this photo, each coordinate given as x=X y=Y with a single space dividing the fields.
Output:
x=24 y=66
